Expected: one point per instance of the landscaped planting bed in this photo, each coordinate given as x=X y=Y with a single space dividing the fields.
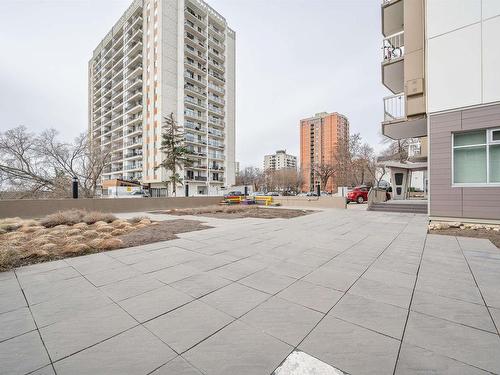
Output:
x=76 y=232
x=238 y=212
x=490 y=232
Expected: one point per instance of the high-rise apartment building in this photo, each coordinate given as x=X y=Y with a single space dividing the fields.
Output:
x=320 y=139
x=280 y=160
x=441 y=63
x=165 y=57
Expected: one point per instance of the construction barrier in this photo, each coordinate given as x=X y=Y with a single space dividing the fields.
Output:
x=262 y=200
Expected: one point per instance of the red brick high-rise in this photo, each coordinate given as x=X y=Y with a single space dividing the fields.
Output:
x=320 y=137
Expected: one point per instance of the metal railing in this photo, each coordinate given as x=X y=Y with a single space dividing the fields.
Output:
x=394 y=107
x=393 y=47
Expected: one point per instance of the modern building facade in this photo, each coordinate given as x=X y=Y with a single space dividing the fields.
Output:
x=444 y=60
x=165 y=57
x=320 y=139
x=280 y=160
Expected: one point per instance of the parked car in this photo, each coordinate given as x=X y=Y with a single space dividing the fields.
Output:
x=273 y=194
x=359 y=194
x=258 y=194
x=311 y=194
x=384 y=185
x=134 y=194
x=235 y=193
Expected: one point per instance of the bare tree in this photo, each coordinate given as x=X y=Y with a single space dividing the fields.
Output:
x=250 y=176
x=286 y=180
x=325 y=171
x=39 y=164
x=398 y=149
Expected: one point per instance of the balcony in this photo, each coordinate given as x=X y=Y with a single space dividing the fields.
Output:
x=394 y=107
x=392 y=17
x=396 y=124
x=215 y=99
x=215 y=29
x=193 y=52
x=190 y=177
x=216 y=76
x=193 y=101
x=133 y=166
x=215 y=110
x=215 y=121
x=215 y=133
x=215 y=87
x=197 y=166
x=134 y=142
x=195 y=89
x=193 y=114
x=393 y=49
x=198 y=66
x=194 y=78
x=195 y=29
x=195 y=127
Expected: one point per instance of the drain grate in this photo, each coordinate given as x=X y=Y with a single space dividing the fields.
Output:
x=300 y=363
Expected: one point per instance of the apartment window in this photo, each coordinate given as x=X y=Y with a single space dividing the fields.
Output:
x=476 y=158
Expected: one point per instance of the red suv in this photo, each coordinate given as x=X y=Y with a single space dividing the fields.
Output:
x=359 y=194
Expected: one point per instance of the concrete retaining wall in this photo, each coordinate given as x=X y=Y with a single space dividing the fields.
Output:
x=312 y=202
x=30 y=208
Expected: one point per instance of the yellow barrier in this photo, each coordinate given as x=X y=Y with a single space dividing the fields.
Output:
x=265 y=199
x=233 y=200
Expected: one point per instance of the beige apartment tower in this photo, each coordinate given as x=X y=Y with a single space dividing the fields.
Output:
x=163 y=57
x=280 y=160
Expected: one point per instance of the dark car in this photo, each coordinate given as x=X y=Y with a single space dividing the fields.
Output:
x=234 y=194
x=359 y=194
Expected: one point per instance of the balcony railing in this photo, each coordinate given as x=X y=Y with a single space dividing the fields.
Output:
x=394 y=107
x=393 y=47
x=196 y=178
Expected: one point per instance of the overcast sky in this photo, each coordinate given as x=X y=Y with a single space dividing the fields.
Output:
x=294 y=58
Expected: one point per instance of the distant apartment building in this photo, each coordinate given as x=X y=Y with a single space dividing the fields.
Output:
x=280 y=160
x=441 y=61
x=320 y=139
x=163 y=57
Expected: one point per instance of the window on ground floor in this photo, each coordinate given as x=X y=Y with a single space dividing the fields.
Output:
x=476 y=157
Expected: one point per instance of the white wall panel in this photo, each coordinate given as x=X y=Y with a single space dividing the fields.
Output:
x=454 y=69
x=447 y=15
x=491 y=60
x=491 y=8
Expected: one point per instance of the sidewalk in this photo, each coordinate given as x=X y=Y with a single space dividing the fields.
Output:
x=364 y=292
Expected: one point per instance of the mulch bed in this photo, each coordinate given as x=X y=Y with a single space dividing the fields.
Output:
x=491 y=235
x=163 y=231
x=254 y=212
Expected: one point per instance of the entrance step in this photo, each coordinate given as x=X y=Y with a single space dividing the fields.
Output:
x=414 y=208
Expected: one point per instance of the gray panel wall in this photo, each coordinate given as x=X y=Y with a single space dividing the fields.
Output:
x=27 y=208
x=459 y=202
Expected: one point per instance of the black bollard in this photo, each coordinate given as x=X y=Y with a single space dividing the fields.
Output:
x=75 y=187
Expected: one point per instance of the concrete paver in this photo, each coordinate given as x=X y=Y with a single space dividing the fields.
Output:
x=284 y=320
x=133 y=352
x=364 y=292
x=185 y=327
